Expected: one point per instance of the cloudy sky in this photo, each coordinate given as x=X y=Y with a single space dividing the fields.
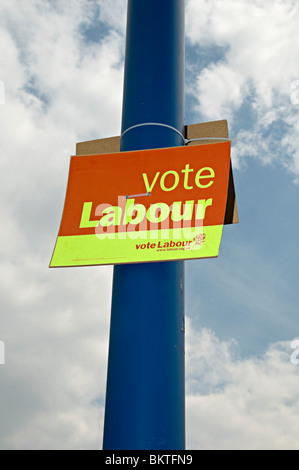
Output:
x=61 y=73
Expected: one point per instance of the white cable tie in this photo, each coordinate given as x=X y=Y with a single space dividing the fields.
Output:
x=210 y=138
x=186 y=141
x=154 y=124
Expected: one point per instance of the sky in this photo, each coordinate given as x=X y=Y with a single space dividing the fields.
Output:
x=61 y=79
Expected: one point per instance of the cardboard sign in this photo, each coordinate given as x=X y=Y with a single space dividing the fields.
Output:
x=150 y=205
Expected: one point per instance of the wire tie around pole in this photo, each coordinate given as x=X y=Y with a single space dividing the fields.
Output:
x=186 y=141
x=210 y=138
x=154 y=124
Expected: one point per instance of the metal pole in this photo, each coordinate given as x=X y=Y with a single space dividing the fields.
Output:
x=145 y=398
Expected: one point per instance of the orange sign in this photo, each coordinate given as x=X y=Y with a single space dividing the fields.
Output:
x=150 y=205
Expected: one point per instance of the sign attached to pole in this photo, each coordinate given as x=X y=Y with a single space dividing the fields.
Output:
x=144 y=206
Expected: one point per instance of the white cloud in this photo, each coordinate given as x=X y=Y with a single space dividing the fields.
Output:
x=60 y=89
x=54 y=323
x=236 y=404
x=49 y=58
x=227 y=95
x=260 y=44
x=56 y=342
x=113 y=13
